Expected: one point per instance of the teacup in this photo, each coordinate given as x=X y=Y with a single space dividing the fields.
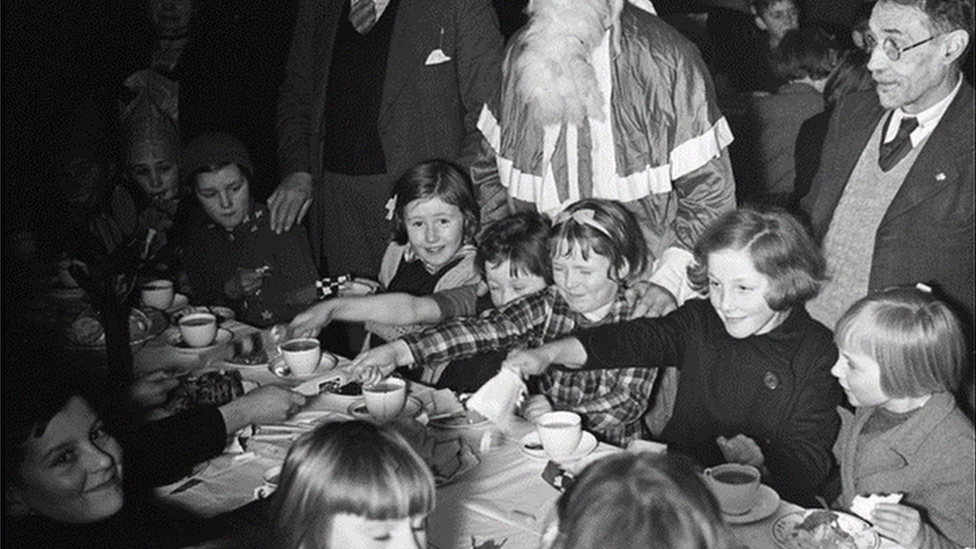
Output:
x=385 y=400
x=559 y=432
x=301 y=355
x=198 y=329
x=158 y=294
x=736 y=487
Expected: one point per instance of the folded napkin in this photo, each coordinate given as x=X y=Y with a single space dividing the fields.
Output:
x=498 y=398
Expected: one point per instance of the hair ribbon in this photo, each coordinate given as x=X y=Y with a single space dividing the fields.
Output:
x=923 y=287
x=391 y=205
x=583 y=217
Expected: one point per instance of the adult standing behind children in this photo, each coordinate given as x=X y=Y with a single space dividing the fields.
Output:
x=618 y=105
x=893 y=199
x=372 y=88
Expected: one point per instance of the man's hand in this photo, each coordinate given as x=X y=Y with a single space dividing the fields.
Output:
x=290 y=201
x=653 y=300
x=897 y=522
x=741 y=449
x=268 y=404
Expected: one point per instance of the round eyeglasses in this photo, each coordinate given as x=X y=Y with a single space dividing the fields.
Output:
x=890 y=48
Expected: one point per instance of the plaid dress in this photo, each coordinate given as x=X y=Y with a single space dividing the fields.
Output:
x=611 y=402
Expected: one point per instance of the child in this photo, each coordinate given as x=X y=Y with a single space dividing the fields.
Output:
x=513 y=258
x=345 y=485
x=638 y=500
x=755 y=384
x=435 y=220
x=233 y=257
x=902 y=354
x=597 y=250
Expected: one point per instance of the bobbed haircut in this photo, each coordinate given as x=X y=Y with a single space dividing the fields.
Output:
x=914 y=337
x=620 y=240
x=430 y=179
x=352 y=468
x=780 y=248
x=643 y=500
x=805 y=53
x=522 y=239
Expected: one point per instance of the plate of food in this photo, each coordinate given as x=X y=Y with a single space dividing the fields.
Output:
x=87 y=332
x=823 y=529
x=203 y=387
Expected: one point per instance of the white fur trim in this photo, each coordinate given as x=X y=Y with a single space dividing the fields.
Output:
x=670 y=271
x=697 y=151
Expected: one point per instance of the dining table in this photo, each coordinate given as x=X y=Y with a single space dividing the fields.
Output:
x=490 y=489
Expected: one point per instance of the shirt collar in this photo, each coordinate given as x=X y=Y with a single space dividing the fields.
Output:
x=927 y=119
x=378 y=5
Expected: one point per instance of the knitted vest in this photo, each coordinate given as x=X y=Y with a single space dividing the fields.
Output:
x=849 y=243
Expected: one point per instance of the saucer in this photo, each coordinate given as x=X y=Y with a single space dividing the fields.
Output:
x=586 y=445
x=176 y=341
x=411 y=409
x=326 y=364
x=767 y=505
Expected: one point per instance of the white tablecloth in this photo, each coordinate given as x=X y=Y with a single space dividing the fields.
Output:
x=503 y=501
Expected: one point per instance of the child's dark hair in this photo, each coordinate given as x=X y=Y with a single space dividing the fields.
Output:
x=805 y=53
x=914 y=337
x=780 y=248
x=522 y=239
x=639 y=500
x=430 y=179
x=33 y=393
x=605 y=227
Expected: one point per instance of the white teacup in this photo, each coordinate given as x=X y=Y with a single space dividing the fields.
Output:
x=302 y=355
x=736 y=487
x=198 y=329
x=158 y=294
x=385 y=400
x=559 y=432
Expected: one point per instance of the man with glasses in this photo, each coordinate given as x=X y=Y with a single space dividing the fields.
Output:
x=893 y=200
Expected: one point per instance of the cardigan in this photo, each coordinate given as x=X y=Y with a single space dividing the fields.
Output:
x=930 y=458
x=774 y=388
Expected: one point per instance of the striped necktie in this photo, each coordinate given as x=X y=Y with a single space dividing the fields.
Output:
x=893 y=151
x=362 y=15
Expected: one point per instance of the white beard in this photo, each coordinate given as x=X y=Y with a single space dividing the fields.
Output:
x=554 y=70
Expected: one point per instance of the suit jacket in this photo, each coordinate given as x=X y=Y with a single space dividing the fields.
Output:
x=929 y=459
x=427 y=110
x=927 y=233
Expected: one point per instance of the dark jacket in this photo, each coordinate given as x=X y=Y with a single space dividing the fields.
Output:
x=774 y=388
x=927 y=234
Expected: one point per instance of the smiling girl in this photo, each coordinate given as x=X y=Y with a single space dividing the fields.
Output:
x=597 y=249
x=755 y=384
